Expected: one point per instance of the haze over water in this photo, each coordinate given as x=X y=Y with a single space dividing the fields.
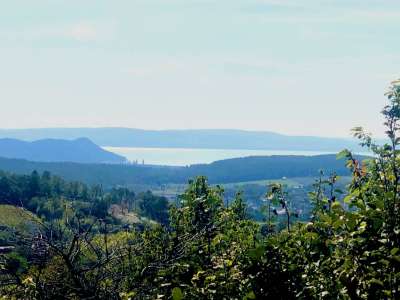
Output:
x=185 y=156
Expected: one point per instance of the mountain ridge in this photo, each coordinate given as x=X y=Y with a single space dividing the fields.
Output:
x=81 y=150
x=187 y=138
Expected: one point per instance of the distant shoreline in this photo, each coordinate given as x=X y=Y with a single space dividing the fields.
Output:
x=163 y=156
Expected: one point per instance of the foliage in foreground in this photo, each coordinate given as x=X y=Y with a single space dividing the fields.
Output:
x=348 y=250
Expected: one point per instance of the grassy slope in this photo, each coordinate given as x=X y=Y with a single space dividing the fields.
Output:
x=18 y=218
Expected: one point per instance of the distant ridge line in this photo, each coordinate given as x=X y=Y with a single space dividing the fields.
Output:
x=81 y=150
x=187 y=138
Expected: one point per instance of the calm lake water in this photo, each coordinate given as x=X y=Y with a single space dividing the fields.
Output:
x=185 y=157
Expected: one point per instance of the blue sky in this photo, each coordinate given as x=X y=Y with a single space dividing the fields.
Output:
x=302 y=67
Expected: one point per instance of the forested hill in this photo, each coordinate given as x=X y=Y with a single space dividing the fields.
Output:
x=210 y=138
x=268 y=167
x=225 y=171
x=81 y=150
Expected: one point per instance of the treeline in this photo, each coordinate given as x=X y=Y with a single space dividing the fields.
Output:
x=268 y=167
x=49 y=196
x=225 y=171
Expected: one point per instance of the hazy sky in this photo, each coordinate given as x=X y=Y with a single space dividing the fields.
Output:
x=304 y=67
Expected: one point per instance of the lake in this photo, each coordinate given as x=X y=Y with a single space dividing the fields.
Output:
x=185 y=157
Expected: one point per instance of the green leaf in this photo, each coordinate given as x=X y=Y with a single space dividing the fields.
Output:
x=375 y=281
x=348 y=199
x=257 y=252
x=360 y=204
x=343 y=154
x=337 y=224
x=311 y=235
x=326 y=219
x=336 y=206
x=250 y=295
x=177 y=294
x=396 y=258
